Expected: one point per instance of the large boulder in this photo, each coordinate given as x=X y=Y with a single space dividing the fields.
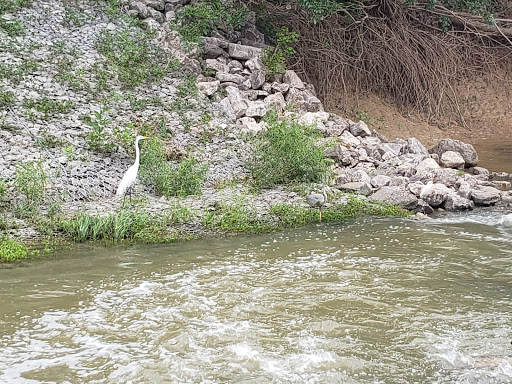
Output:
x=360 y=129
x=452 y=159
x=484 y=195
x=414 y=146
x=303 y=100
x=467 y=151
x=238 y=104
x=243 y=52
x=454 y=202
x=435 y=194
x=395 y=195
x=356 y=186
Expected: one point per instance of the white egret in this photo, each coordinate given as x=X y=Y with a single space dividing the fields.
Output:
x=317 y=200
x=131 y=174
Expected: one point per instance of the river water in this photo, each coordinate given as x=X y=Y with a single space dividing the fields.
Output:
x=373 y=300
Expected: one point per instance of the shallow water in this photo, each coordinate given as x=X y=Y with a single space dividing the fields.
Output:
x=367 y=301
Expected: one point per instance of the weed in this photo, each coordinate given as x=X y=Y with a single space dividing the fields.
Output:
x=274 y=58
x=180 y=179
x=363 y=116
x=11 y=250
x=7 y=98
x=75 y=18
x=179 y=214
x=16 y=73
x=13 y=28
x=133 y=57
x=69 y=151
x=48 y=107
x=98 y=139
x=30 y=181
x=187 y=87
x=287 y=152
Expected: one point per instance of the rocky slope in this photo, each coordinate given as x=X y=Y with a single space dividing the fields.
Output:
x=67 y=108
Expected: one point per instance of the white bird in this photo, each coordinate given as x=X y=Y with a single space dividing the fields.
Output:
x=131 y=174
x=317 y=200
x=426 y=189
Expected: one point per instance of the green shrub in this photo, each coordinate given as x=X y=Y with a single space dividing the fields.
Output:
x=178 y=179
x=11 y=250
x=30 y=181
x=274 y=58
x=287 y=152
x=97 y=138
x=200 y=19
x=133 y=57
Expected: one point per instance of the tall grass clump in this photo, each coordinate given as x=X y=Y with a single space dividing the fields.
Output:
x=123 y=225
x=170 y=179
x=287 y=152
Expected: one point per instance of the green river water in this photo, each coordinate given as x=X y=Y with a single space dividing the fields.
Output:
x=373 y=300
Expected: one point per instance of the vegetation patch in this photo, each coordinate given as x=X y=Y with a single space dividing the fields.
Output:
x=274 y=58
x=10 y=6
x=13 y=27
x=170 y=179
x=12 y=250
x=125 y=225
x=133 y=58
x=202 y=18
x=7 y=98
x=48 y=107
x=30 y=181
x=287 y=152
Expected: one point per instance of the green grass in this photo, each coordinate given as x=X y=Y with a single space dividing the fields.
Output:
x=286 y=153
x=12 y=250
x=15 y=73
x=125 y=225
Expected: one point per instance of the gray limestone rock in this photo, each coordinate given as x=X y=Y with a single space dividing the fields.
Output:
x=467 y=151
x=360 y=129
x=452 y=159
x=455 y=202
x=483 y=195
x=397 y=196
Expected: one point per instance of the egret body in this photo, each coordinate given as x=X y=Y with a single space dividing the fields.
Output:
x=131 y=174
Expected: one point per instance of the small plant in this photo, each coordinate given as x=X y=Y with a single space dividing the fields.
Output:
x=287 y=152
x=10 y=6
x=98 y=139
x=274 y=58
x=11 y=250
x=364 y=116
x=69 y=151
x=13 y=28
x=30 y=181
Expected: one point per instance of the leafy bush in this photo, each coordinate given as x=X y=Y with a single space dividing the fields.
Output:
x=198 y=20
x=98 y=139
x=274 y=58
x=133 y=57
x=287 y=152
x=180 y=179
x=11 y=250
x=48 y=107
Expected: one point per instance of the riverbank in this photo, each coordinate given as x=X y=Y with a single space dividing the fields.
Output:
x=232 y=149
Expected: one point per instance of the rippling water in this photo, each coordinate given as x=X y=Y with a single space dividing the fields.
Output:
x=367 y=301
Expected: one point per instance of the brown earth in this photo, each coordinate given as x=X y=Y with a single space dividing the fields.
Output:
x=487 y=122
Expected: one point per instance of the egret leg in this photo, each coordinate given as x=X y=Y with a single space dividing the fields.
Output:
x=320 y=209
x=310 y=214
